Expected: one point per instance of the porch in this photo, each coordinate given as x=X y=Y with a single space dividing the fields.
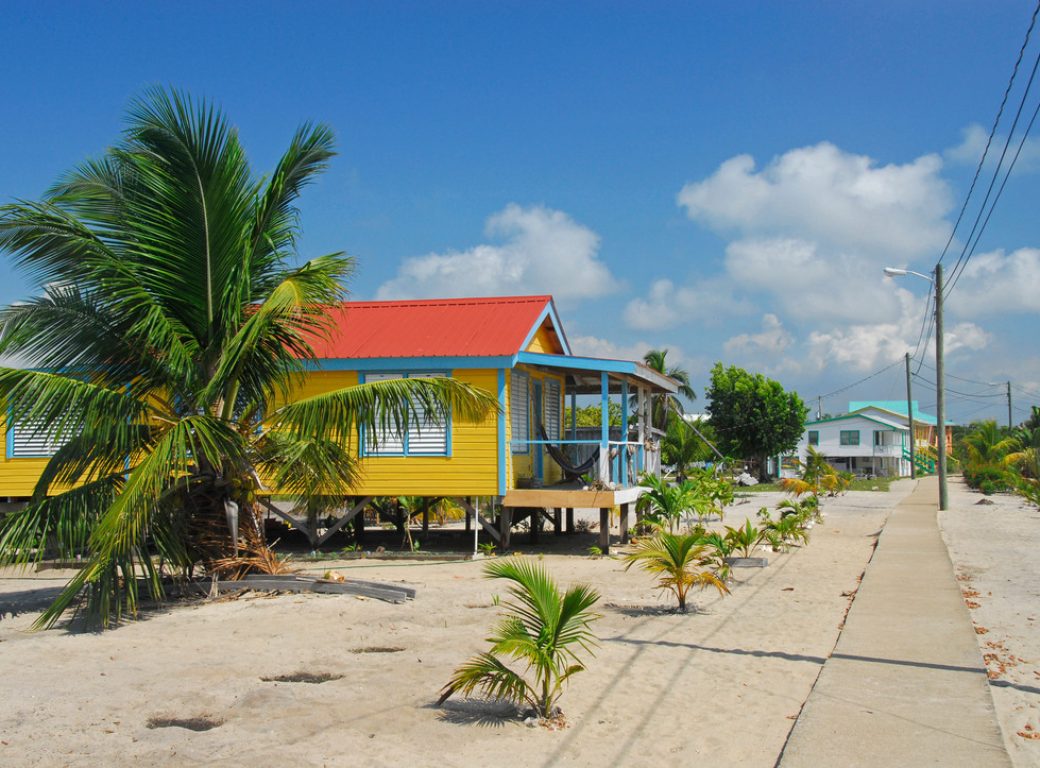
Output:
x=600 y=466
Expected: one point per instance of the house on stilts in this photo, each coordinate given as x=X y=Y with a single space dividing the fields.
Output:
x=524 y=462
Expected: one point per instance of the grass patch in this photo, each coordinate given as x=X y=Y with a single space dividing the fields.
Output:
x=201 y=723
x=377 y=649
x=314 y=678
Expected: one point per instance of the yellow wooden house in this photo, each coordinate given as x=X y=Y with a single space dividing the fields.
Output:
x=524 y=458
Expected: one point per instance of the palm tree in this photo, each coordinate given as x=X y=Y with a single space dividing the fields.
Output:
x=987 y=444
x=163 y=352
x=664 y=404
x=681 y=446
x=664 y=502
x=543 y=630
x=678 y=558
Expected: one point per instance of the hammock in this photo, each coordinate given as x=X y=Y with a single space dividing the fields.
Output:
x=570 y=471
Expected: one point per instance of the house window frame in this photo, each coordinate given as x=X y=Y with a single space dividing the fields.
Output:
x=12 y=427
x=552 y=396
x=368 y=450
x=849 y=437
x=519 y=445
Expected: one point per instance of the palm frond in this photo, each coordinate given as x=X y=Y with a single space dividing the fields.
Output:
x=383 y=406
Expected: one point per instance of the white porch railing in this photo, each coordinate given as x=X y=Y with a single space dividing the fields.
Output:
x=621 y=464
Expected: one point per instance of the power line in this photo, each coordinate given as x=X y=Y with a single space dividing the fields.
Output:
x=993 y=130
x=918 y=349
x=1025 y=391
x=969 y=381
x=949 y=391
x=1000 y=192
x=969 y=247
x=857 y=383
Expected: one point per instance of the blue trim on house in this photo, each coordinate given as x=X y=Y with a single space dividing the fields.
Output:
x=604 y=418
x=406 y=364
x=577 y=363
x=891 y=426
x=502 y=431
x=624 y=433
x=10 y=435
x=537 y=420
x=550 y=312
x=560 y=334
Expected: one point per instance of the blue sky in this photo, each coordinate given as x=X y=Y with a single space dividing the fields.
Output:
x=722 y=179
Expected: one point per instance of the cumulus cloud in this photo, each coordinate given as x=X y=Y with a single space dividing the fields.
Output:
x=773 y=339
x=668 y=305
x=594 y=346
x=973 y=144
x=808 y=236
x=997 y=283
x=535 y=250
x=832 y=197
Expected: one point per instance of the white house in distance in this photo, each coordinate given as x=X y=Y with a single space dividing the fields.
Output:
x=873 y=438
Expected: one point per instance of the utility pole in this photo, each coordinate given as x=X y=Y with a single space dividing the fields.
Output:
x=819 y=408
x=910 y=415
x=940 y=388
x=1010 y=425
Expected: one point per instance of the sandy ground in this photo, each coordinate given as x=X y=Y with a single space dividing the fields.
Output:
x=995 y=549
x=722 y=684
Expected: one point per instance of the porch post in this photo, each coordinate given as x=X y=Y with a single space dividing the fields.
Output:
x=505 y=524
x=623 y=449
x=604 y=428
x=574 y=414
x=570 y=520
x=604 y=530
x=624 y=522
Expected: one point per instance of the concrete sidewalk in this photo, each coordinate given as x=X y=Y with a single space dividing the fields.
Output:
x=905 y=685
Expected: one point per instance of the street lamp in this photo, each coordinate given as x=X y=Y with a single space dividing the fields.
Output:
x=940 y=401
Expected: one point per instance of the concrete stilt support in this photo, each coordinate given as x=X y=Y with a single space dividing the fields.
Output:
x=570 y=520
x=625 y=509
x=557 y=521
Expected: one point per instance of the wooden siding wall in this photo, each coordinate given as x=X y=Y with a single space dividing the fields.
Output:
x=18 y=476
x=471 y=469
x=544 y=342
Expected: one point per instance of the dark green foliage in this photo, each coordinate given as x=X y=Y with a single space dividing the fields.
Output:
x=172 y=318
x=753 y=416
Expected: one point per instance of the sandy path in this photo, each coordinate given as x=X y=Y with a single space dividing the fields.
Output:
x=995 y=549
x=724 y=683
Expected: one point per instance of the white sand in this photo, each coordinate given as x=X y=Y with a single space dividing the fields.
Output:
x=723 y=684
x=995 y=550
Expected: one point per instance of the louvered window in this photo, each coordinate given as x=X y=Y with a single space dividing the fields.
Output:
x=552 y=408
x=27 y=440
x=425 y=437
x=519 y=412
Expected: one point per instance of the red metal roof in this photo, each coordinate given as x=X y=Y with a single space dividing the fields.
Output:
x=432 y=327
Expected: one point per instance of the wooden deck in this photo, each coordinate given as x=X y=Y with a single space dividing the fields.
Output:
x=571 y=495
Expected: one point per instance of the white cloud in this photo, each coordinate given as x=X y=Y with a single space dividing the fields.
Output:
x=774 y=340
x=594 y=346
x=809 y=283
x=973 y=144
x=809 y=235
x=539 y=250
x=996 y=283
x=832 y=197
x=668 y=305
